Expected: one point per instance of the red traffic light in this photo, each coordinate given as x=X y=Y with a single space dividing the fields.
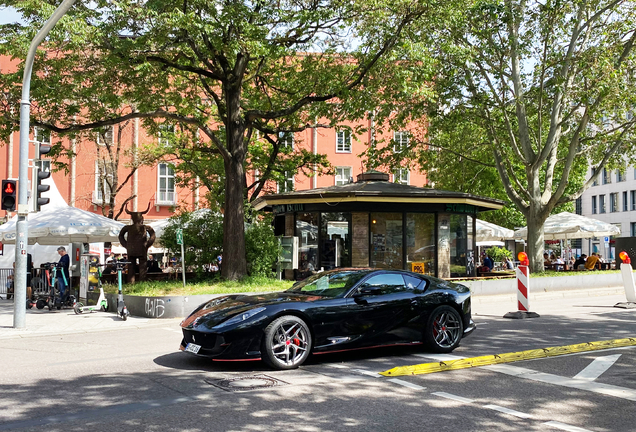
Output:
x=9 y=198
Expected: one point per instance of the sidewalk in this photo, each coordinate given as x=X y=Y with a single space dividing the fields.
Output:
x=42 y=322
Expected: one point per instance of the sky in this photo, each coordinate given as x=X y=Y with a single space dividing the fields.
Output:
x=8 y=15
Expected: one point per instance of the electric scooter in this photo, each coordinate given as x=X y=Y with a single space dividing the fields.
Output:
x=102 y=303
x=122 y=310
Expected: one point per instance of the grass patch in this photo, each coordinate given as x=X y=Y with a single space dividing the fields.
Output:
x=552 y=273
x=215 y=286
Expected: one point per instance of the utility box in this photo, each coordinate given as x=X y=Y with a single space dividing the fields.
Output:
x=289 y=256
x=89 y=275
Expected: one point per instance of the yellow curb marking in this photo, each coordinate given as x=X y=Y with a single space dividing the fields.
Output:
x=442 y=366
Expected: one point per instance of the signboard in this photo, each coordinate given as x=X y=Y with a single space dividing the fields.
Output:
x=417 y=267
x=179 y=236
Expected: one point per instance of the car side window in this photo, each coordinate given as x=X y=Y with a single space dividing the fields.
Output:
x=387 y=282
x=412 y=283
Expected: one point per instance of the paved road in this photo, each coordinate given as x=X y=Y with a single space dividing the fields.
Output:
x=129 y=376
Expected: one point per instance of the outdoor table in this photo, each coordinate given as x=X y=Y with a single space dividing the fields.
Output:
x=557 y=267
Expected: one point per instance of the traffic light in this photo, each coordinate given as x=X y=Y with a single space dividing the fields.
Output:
x=41 y=149
x=9 y=198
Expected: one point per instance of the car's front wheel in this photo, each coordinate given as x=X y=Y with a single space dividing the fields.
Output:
x=286 y=343
x=444 y=330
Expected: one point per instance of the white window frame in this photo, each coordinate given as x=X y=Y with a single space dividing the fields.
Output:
x=163 y=141
x=98 y=198
x=288 y=184
x=341 y=178
x=163 y=197
x=46 y=133
x=343 y=141
x=400 y=141
x=399 y=176
x=109 y=133
x=286 y=139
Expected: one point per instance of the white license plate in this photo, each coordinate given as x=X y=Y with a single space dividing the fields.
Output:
x=193 y=348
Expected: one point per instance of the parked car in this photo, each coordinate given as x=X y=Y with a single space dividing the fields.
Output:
x=331 y=311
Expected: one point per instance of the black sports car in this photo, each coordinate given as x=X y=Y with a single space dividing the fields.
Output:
x=331 y=311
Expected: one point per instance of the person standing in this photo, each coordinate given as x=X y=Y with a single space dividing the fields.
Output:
x=62 y=273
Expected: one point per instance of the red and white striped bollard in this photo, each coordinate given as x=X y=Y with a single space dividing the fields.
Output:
x=523 y=290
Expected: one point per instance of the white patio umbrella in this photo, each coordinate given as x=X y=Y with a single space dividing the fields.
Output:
x=491 y=233
x=564 y=226
x=63 y=225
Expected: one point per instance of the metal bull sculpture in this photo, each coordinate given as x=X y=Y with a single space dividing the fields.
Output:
x=137 y=239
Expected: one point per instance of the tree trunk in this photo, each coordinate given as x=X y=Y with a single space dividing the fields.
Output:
x=234 y=264
x=535 y=219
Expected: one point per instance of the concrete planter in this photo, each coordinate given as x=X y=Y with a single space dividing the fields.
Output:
x=577 y=281
x=179 y=306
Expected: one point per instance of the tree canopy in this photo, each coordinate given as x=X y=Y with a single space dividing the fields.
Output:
x=228 y=73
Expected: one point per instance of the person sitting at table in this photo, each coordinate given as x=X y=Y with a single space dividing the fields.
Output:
x=508 y=264
x=558 y=260
x=546 y=260
x=579 y=264
x=488 y=262
x=592 y=262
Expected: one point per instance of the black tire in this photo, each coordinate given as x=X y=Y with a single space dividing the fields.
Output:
x=77 y=308
x=444 y=330
x=286 y=343
x=40 y=304
x=29 y=304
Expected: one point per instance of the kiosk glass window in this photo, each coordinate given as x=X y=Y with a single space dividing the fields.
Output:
x=307 y=233
x=386 y=240
x=335 y=238
x=421 y=255
x=459 y=263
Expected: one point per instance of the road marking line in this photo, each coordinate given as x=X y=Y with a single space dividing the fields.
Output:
x=507 y=357
x=508 y=411
x=453 y=397
x=171 y=329
x=591 y=386
x=597 y=367
x=368 y=373
x=406 y=384
x=565 y=427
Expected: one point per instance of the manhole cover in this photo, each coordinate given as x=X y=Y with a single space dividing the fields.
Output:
x=245 y=383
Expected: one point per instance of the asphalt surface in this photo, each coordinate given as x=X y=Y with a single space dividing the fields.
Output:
x=96 y=372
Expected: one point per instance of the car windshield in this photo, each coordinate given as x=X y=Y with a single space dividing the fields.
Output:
x=331 y=284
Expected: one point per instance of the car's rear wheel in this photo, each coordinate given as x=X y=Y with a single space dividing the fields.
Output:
x=444 y=330
x=286 y=343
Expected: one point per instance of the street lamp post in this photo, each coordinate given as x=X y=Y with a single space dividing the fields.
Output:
x=22 y=227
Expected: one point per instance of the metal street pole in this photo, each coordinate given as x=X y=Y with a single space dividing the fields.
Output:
x=22 y=227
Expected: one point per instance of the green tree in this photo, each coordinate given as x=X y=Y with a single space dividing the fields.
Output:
x=534 y=91
x=229 y=70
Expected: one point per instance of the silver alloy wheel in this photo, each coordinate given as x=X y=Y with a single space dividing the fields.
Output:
x=447 y=329
x=289 y=343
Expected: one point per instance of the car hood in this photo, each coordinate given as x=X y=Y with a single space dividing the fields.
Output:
x=219 y=309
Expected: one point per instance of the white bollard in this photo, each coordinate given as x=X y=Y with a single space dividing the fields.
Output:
x=628 y=282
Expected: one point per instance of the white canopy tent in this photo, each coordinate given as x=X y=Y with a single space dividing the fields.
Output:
x=565 y=226
x=492 y=234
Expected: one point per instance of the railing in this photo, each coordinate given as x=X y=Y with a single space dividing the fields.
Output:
x=6 y=280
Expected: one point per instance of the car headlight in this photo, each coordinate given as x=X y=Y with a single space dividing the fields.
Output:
x=239 y=318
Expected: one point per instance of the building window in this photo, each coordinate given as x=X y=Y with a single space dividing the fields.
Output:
x=620 y=177
x=343 y=175
x=606 y=176
x=400 y=141
x=104 y=177
x=105 y=136
x=632 y=229
x=287 y=184
x=625 y=205
x=601 y=204
x=343 y=141
x=578 y=204
x=166 y=135
x=613 y=202
x=41 y=135
x=594 y=209
x=632 y=196
x=286 y=139
x=166 y=192
x=401 y=176
x=595 y=177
